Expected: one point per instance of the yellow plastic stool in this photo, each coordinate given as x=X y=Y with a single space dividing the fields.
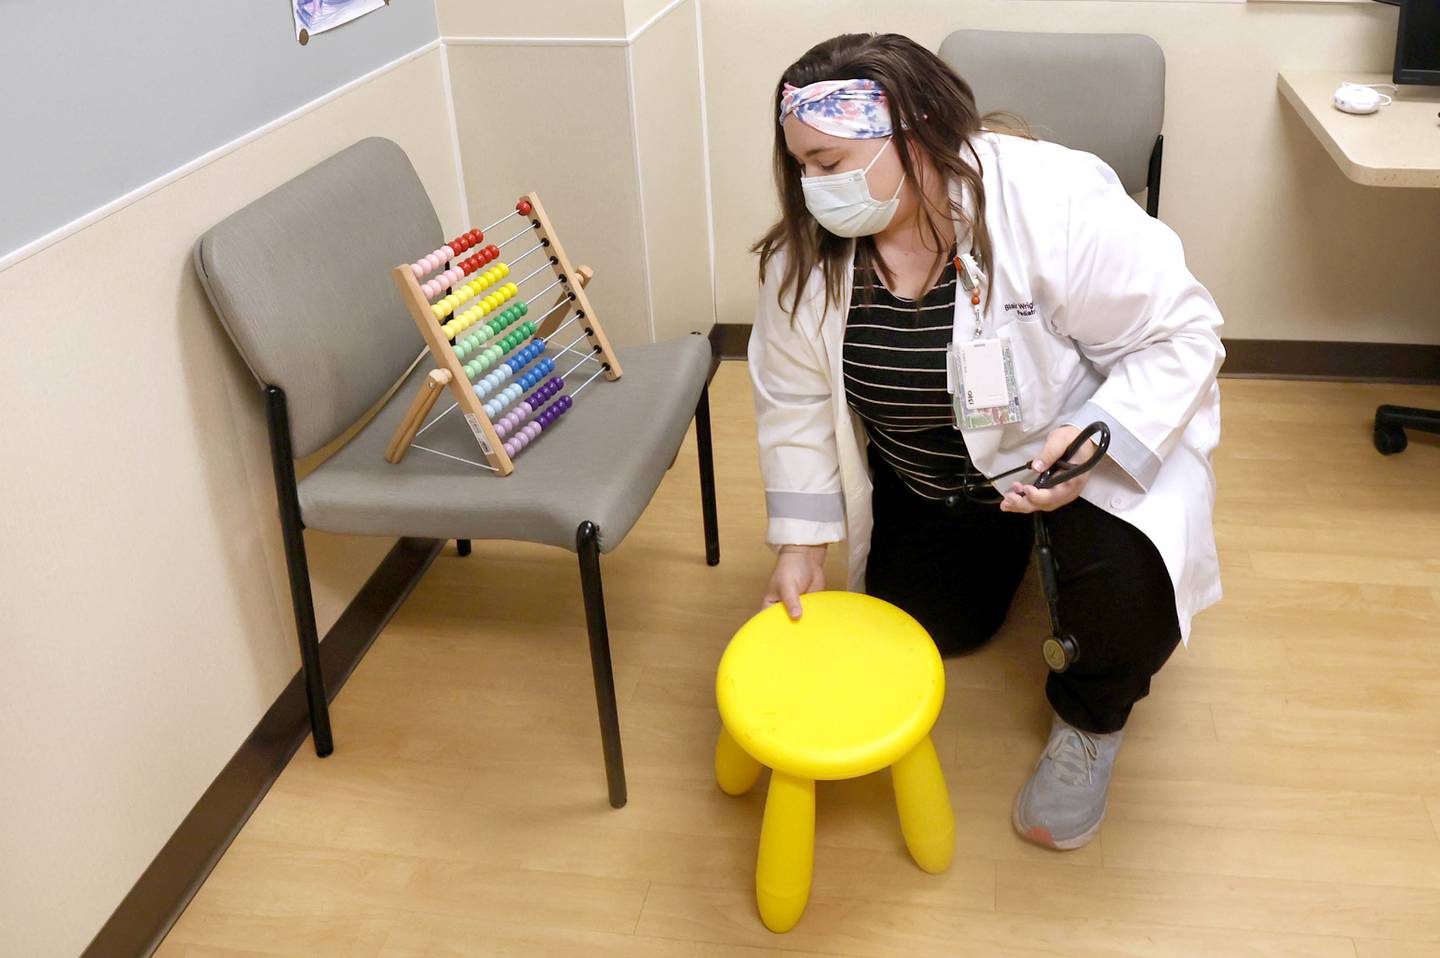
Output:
x=852 y=687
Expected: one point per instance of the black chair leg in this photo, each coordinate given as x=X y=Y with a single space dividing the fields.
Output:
x=462 y=546
x=1152 y=180
x=587 y=544
x=293 y=529
x=1392 y=421
x=707 y=477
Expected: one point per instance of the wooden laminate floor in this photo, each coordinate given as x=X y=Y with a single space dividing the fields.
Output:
x=1277 y=795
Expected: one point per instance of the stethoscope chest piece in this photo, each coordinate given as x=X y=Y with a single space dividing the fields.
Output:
x=1060 y=652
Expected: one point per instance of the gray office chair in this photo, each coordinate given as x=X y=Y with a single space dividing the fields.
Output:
x=300 y=279
x=1103 y=93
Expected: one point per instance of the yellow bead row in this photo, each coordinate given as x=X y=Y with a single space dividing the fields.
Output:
x=480 y=310
x=470 y=290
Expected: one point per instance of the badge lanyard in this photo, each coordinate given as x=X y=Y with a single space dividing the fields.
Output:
x=968 y=270
x=981 y=372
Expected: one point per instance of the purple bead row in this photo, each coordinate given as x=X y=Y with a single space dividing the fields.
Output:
x=534 y=427
x=527 y=408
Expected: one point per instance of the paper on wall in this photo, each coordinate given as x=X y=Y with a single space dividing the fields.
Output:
x=317 y=16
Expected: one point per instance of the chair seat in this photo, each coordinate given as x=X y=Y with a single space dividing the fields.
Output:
x=847 y=690
x=600 y=463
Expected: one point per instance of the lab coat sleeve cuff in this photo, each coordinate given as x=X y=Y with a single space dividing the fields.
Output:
x=802 y=532
x=1128 y=452
x=822 y=507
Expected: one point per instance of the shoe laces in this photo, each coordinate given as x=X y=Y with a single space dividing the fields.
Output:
x=1074 y=753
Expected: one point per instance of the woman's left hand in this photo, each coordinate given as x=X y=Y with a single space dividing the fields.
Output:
x=1027 y=498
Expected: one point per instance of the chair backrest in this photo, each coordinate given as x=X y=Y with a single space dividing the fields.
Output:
x=301 y=281
x=1103 y=93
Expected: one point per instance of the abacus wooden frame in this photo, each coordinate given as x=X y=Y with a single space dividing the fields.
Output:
x=443 y=352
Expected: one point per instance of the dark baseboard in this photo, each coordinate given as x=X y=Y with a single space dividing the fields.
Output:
x=729 y=340
x=159 y=896
x=1355 y=362
x=1255 y=358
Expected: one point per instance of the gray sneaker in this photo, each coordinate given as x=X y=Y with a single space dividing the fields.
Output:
x=1065 y=800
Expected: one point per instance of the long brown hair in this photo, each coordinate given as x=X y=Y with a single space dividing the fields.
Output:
x=931 y=107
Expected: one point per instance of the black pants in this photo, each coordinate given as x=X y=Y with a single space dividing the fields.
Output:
x=956 y=569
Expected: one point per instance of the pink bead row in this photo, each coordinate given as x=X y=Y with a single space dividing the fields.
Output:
x=442 y=282
x=429 y=264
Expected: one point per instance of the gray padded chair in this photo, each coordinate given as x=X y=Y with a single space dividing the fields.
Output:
x=300 y=279
x=1103 y=93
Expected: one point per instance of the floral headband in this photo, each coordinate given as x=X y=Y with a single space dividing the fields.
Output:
x=853 y=109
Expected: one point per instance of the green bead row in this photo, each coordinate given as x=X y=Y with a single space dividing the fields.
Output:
x=508 y=315
x=467 y=346
x=492 y=354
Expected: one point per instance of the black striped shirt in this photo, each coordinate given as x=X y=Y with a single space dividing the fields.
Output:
x=894 y=366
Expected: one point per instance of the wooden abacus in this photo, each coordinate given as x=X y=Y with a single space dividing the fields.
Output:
x=491 y=369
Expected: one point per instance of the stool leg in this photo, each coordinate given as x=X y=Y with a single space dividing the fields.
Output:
x=787 y=851
x=926 y=818
x=735 y=770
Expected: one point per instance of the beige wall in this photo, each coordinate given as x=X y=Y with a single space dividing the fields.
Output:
x=666 y=68
x=532 y=18
x=639 y=12
x=576 y=149
x=607 y=128
x=1290 y=248
x=146 y=623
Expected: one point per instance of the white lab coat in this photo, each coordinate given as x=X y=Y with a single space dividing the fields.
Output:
x=1105 y=322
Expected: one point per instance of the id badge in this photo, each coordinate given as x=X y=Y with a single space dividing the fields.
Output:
x=983 y=374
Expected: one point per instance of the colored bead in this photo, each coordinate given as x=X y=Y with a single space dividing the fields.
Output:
x=523 y=207
x=418 y=270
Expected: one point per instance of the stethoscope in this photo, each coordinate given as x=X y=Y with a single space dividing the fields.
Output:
x=1060 y=650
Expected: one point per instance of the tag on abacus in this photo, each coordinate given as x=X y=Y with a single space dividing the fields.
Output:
x=983 y=372
x=479 y=433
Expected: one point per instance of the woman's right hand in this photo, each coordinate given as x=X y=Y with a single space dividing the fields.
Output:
x=798 y=570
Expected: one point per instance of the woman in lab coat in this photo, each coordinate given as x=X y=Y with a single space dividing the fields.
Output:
x=916 y=251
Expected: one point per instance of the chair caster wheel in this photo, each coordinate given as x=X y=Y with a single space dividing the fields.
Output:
x=1060 y=652
x=1390 y=440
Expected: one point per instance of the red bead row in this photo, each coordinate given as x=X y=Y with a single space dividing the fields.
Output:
x=465 y=241
x=486 y=255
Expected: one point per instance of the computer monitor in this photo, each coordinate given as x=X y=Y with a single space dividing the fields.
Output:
x=1417 y=45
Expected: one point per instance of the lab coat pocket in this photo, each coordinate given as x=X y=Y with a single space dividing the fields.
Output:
x=1040 y=372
